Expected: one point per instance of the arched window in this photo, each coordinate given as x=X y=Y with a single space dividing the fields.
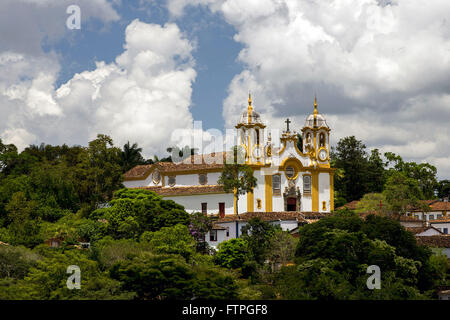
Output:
x=308 y=138
x=257 y=136
x=322 y=140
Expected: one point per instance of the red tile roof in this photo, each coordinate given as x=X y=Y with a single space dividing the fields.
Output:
x=441 y=220
x=350 y=205
x=211 y=161
x=265 y=216
x=188 y=190
x=417 y=230
x=442 y=241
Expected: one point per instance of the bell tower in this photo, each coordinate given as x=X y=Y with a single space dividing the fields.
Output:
x=250 y=132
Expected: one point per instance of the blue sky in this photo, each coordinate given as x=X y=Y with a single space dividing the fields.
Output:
x=215 y=55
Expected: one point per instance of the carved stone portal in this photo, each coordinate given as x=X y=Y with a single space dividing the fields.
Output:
x=292 y=197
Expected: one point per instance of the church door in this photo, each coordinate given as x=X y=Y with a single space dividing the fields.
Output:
x=291 y=204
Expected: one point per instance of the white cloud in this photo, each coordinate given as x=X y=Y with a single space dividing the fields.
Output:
x=381 y=68
x=142 y=97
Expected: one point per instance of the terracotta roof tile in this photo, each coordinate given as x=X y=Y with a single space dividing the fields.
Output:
x=440 y=206
x=442 y=241
x=417 y=230
x=441 y=220
x=188 y=190
x=265 y=216
x=350 y=205
x=209 y=161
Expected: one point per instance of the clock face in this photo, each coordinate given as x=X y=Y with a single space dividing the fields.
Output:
x=323 y=154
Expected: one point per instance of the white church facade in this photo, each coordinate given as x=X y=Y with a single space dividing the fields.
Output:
x=290 y=183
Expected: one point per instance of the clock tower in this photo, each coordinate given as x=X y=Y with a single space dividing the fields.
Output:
x=250 y=130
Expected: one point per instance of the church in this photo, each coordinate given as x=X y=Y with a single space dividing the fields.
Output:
x=293 y=186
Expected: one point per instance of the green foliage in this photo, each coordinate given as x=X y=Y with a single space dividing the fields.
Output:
x=403 y=193
x=199 y=225
x=236 y=176
x=171 y=240
x=132 y=212
x=258 y=233
x=232 y=253
x=443 y=189
x=131 y=156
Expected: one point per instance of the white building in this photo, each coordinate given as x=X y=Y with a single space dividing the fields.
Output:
x=288 y=180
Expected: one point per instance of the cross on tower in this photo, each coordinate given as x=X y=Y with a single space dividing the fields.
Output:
x=287 y=124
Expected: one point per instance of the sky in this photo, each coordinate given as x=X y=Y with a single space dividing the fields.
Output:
x=141 y=70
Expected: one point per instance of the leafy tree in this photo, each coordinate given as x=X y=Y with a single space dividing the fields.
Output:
x=132 y=212
x=403 y=193
x=131 y=156
x=15 y=262
x=99 y=172
x=281 y=249
x=24 y=226
x=350 y=155
x=376 y=176
x=373 y=203
x=443 y=189
x=237 y=177
x=47 y=281
x=199 y=226
x=171 y=240
x=258 y=233
x=423 y=173
x=232 y=254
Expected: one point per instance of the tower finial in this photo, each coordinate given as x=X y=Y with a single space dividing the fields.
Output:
x=250 y=108
x=315 y=105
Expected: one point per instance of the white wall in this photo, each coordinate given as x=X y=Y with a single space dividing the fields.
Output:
x=324 y=191
x=429 y=232
x=194 y=203
x=441 y=226
x=141 y=183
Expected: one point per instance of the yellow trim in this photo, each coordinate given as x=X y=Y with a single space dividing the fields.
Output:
x=295 y=163
x=331 y=191
x=250 y=202
x=268 y=193
x=315 y=191
x=235 y=201
x=248 y=126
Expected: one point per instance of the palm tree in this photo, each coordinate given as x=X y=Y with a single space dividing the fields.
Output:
x=131 y=156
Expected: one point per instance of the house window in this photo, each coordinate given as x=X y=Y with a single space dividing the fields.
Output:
x=439 y=216
x=276 y=184
x=221 y=209
x=324 y=205
x=290 y=172
x=228 y=231
x=213 y=235
x=306 y=184
x=258 y=203
x=445 y=230
x=172 y=181
x=202 y=178
x=257 y=137
x=205 y=208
